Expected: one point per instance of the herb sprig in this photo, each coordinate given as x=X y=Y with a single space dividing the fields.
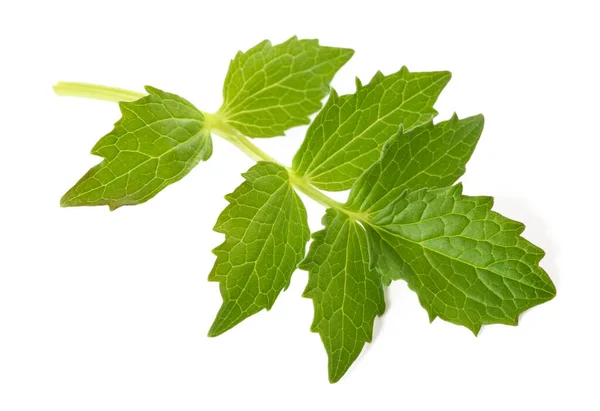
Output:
x=405 y=218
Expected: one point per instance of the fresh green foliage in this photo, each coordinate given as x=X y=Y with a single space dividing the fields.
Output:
x=347 y=135
x=347 y=294
x=468 y=264
x=269 y=89
x=429 y=156
x=405 y=218
x=266 y=232
x=159 y=139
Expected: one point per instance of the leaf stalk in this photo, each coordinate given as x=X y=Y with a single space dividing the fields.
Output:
x=96 y=92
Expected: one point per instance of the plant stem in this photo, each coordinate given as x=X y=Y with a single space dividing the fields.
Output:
x=302 y=185
x=226 y=132
x=217 y=126
x=96 y=92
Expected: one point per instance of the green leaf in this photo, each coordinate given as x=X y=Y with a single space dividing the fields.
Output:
x=266 y=232
x=347 y=136
x=346 y=294
x=269 y=89
x=158 y=140
x=432 y=156
x=468 y=264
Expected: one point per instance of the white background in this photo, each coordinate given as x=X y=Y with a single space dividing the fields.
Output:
x=109 y=311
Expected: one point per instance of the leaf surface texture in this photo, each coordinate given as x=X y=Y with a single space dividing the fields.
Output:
x=269 y=89
x=347 y=294
x=432 y=156
x=157 y=141
x=347 y=136
x=266 y=232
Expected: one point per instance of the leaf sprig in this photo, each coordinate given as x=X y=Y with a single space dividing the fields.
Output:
x=405 y=217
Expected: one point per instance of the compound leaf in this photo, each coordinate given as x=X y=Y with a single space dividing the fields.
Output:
x=269 y=89
x=158 y=140
x=404 y=219
x=347 y=136
x=266 y=232
x=347 y=295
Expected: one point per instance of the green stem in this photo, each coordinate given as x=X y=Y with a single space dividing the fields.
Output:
x=226 y=132
x=96 y=92
x=216 y=125
x=317 y=195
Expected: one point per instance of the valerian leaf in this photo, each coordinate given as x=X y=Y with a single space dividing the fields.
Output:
x=266 y=232
x=468 y=264
x=158 y=140
x=347 y=136
x=404 y=218
x=432 y=156
x=347 y=294
x=269 y=89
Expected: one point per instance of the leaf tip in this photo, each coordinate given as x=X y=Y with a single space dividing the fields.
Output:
x=479 y=118
x=475 y=329
x=333 y=96
x=377 y=78
x=336 y=374
x=69 y=199
x=456 y=190
x=358 y=83
x=216 y=328
x=212 y=334
x=445 y=76
x=432 y=316
x=152 y=90
x=333 y=379
x=64 y=202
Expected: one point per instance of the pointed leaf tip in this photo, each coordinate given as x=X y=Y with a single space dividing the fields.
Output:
x=358 y=84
